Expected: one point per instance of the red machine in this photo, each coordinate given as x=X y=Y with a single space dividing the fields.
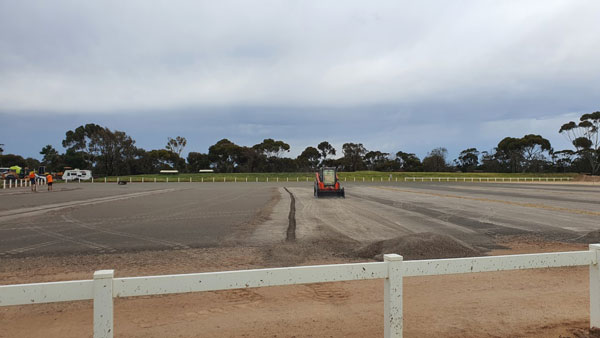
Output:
x=327 y=183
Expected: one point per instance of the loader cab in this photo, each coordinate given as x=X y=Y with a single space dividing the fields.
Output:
x=328 y=176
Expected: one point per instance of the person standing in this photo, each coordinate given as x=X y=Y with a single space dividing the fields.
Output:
x=49 y=181
x=32 y=181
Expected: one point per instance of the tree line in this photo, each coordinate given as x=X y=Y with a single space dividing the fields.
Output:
x=109 y=152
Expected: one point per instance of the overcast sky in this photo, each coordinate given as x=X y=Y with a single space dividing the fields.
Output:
x=393 y=75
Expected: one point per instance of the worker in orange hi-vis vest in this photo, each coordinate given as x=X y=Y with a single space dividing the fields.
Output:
x=49 y=181
x=32 y=180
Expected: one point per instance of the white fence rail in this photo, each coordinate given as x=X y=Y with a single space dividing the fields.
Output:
x=104 y=287
x=21 y=182
x=25 y=183
x=487 y=179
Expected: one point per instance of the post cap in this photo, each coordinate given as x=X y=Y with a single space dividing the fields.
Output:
x=392 y=258
x=102 y=274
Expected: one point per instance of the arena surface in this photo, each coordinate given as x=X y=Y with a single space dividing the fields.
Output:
x=155 y=229
x=105 y=218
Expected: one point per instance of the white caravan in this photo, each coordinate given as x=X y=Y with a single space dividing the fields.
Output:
x=77 y=174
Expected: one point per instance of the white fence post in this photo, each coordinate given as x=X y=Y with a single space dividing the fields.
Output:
x=129 y=179
x=142 y=180
x=155 y=180
x=178 y=180
x=393 y=297
x=103 y=304
x=167 y=180
x=190 y=179
x=595 y=288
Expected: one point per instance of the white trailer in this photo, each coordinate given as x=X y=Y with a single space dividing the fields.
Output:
x=77 y=174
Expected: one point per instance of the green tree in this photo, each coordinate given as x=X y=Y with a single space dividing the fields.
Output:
x=563 y=160
x=271 y=148
x=176 y=145
x=79 y=141
x=9 y=160
x=490 y=162
x=309 y=159
x=585 y=138
x=326 y=149
x=436 y=160
x=107 y=152
x=52 y=159
x=468 y=160
x=224 y=155
x=510 y=153
x=162 y=159
x=353 y=156
x=197 y=161
x=375 y=160
x=534 y=147
x=408 y=161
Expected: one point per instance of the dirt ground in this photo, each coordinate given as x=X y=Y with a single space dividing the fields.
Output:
x=413 y=220
x=533 y=303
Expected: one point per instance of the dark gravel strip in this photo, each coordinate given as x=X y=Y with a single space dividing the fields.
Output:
x=291 y=230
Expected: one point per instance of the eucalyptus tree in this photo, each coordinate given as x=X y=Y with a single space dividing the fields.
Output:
x=326 y=149
x=468 y=159
x=353 y=156
x=176 y=145
x=585 y=138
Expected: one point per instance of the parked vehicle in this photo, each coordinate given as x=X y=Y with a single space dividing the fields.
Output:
x=10 y=177
x=76 y=174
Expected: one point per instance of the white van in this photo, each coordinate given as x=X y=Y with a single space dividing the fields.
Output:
x=77 y=174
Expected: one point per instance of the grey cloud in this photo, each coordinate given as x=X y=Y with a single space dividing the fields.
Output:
x=383 y=73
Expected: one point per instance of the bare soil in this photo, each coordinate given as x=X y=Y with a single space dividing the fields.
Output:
x=418 y=221
x=423 y=245
x=533 y=303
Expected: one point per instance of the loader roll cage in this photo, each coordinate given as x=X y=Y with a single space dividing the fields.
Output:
x=327 y=183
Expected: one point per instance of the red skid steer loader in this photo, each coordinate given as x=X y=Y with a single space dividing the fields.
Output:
x=327 y=183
